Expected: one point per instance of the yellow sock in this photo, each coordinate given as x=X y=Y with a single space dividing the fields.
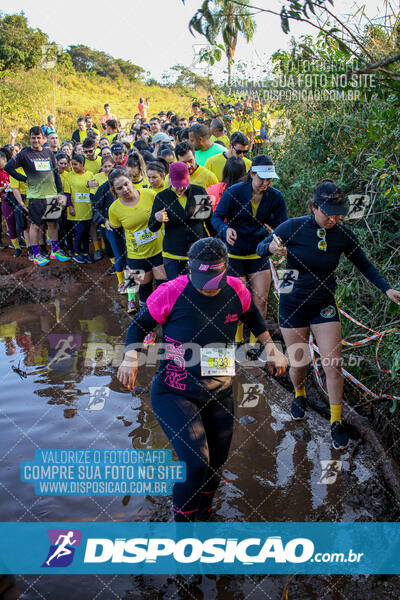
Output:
x=300 y=392
x=239 y=334
x=102 y=244
x=120 y=277
x=112 y=261
x=96 y=245
x=253 y=338
x=15 y=243
x=336 y=413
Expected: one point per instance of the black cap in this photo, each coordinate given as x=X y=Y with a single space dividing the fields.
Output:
x=117 y=148
x=329 y=198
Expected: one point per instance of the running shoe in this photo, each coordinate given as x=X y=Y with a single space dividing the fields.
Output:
x=43 y=250
x=298 y=408
x=149 y=339
x=59 y=255
x=30 y=254
x=340 y=437
x=88 y=259
x=122 y=288
x=78 y=258
x=111 y=270
x=98 y=255
x=131 y=306
x=40 y=261
x=17 y=253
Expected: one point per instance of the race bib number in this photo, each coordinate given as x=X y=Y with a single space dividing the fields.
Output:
x=42 y=165
x=145 y=236
x=83 y=197
x=217 y=361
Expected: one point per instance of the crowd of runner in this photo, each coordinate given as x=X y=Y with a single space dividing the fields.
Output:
x=187 y=220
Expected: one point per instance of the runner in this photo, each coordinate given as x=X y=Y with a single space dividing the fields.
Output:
x=199 y=137
x=155 y=125
x=157 y=172
x=184 y=210
x=44 y=192
x=194 y=404
x=92 y=162
x=17 y=200
x=234 y=171
x=199 y=175
x=218 y=132
x=52 y=140
x=132 y=211
x=79 y=134
x=78 y=190
x=118 y=154
x=136 y=168
x=238 y=146
x=50 y=126
x=313 y=245
x=143 y=107
x=240 y=219
x=107 y=116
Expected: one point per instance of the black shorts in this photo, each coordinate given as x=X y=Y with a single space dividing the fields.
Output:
x=295 y=313
x=240 y=267
x=145 y=264
x=41 y=210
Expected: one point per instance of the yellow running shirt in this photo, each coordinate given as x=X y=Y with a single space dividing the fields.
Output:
x=93 y=165
x=203 y=177
x=140 y=184
x=216 y=164
x=76 y=185
x=19 y=185
x=140 y=241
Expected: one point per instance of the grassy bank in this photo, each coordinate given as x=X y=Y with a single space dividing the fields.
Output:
x=27 y=97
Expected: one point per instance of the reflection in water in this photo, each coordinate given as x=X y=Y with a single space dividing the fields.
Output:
x=70 y=398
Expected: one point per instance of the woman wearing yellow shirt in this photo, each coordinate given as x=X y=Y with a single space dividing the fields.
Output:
x=131 y=211
x=156 y=173
x=77 y=188
x=18 y=201
x=136 y=168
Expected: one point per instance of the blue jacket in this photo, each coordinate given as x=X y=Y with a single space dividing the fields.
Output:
x=235 y=207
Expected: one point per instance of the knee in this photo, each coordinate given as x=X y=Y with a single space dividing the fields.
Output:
x=333 y=368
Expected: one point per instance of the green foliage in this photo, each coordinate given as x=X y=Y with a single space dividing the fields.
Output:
x=20 y=45
x=85 y=59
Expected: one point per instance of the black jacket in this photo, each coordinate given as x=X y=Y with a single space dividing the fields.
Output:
x=101 y=202
x=185 y=226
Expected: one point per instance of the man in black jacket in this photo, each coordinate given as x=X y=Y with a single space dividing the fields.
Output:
x=185 y=209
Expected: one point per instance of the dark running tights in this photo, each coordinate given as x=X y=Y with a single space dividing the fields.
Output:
x=200 y=431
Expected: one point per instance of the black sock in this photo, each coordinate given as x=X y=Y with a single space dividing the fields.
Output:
x=145 y=290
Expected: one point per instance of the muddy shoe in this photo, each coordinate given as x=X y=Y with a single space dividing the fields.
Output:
x=17 y=253
x=298 y=408
x=340 y=437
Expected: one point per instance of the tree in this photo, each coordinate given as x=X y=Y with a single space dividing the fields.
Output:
x=20 y=45
x=223 y=17
x=86 y=59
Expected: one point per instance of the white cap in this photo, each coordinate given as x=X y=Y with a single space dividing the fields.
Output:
x=265 y=171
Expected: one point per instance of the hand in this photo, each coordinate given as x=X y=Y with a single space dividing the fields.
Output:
x=394 y=295
x=107 y=225
x=25 y=208
x=71 y=211
x=13 y=134
x=275 y=248
x=128 y=369
x=231 y=236
x=93 y=183
x=276 y=361
x=61 y=199
x=161 y=216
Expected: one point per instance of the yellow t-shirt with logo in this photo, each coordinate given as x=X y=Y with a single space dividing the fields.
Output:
x=143 y=183
x=216 y=164
x=100 y=178
x=93 y=165
x=64 y=179
x=76 y=185
x=110 y=136
x=140 y=241
x=224 y=139
x=19 y=185
x=203 y=177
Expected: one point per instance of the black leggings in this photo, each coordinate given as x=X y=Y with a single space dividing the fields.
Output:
x=199 y=427
x=174 y=267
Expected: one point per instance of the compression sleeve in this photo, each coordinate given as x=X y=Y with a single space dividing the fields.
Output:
x=254 y=320
x=357 y=256
x=141 y=324
x=69 y=201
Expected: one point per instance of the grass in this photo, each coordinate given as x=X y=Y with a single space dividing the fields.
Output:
x=27 y=97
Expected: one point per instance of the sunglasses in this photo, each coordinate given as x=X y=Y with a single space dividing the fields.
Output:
x=240 y=151
x=88 y=151
x=322 y=245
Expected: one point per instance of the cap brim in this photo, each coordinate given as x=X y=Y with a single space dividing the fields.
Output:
x=208 y=281
x=334 y=209
x=264 y=173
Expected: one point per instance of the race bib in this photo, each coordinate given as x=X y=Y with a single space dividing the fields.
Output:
x=145 y=236
x=42 y=165
x=217 y=361
x=83 y=197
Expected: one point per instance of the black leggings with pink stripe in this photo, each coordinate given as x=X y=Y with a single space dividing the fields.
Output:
x=199 y=427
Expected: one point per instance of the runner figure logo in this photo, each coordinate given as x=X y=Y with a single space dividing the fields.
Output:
x=328 y=312
x=330 y=471
x=252 y=393
x=98 y=397
x=287 y=277
x=62 y=547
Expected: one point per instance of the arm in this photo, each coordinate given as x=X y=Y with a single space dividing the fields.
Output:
x=269 y=246
x=11 y=167
x=280 y=212
x=18 y=197
x=98 y=205
x=154 y=224
x=221 y=213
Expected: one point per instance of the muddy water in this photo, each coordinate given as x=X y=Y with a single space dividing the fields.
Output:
x=50 y=361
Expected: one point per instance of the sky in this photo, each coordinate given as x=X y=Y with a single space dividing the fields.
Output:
x=153 y=33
